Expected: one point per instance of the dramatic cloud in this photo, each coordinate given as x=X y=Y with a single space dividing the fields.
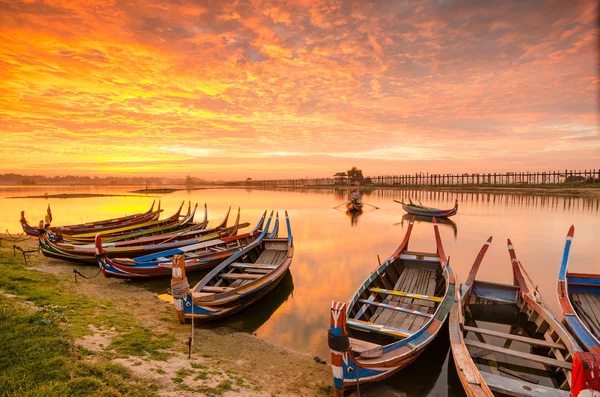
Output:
x=295 y=89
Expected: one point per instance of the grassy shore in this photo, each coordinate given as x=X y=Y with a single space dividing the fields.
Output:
x=106 y=337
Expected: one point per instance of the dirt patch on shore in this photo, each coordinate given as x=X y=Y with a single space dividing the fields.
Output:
x=223 y=362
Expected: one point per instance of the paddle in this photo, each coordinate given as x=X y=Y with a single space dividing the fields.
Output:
x=371 y=205
x=341 y=205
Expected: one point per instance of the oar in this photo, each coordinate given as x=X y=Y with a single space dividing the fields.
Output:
x=341 y=204
x=371 y=205
x=399 y=202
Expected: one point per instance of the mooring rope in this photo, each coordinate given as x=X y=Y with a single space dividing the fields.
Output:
x=16 y=238
x=76 y=272
x=180 y=289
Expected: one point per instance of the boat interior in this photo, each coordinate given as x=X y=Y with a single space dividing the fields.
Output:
x=398 y=302
x=254 y=264
x=517 y=352
x=585 y=300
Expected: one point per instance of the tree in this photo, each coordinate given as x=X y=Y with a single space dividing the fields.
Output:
x=355 y=175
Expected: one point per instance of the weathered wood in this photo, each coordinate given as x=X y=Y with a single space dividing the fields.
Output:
x=397 y=308
x=209 y=288
x=240 y=265
x=526 y=356
x=517 y=388
x=524 y=339
x=239 y=276
x=518 y=375
x=407 y=294
x=366 y=349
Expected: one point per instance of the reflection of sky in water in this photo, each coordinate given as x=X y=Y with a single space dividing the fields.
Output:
x=334 y=256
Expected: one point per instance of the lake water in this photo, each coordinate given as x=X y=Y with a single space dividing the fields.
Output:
x=335 y=252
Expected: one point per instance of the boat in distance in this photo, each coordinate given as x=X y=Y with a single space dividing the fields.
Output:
x=241 y=280
x=505 y=341
x=417 y=209
x=393 y=316
x=579 y=298
x=203 y=254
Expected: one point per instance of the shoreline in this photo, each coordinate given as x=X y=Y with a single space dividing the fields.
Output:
x=114 y=322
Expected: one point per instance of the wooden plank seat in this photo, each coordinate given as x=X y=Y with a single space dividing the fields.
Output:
x=518 y=338
x=241 y=265
x=366 y=349
x=419 y=257
x=515 y=387
x=434 y=254
x=406 y=294
x=392 y=307
x=209 y=288
x=378 y=328
x=526 y=356
x=240 y=276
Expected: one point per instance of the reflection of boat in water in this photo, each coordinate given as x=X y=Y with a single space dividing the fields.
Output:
x=420 y=378
x=252 y=318
x=441 y=221
x=354 y=216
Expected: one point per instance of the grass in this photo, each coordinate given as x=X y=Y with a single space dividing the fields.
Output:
x=37 y=358
x=65 y=306
x=38 y=327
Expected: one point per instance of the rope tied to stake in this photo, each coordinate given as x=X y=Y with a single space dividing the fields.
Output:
x=180 y=289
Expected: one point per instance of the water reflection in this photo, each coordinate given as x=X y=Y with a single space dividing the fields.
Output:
x=353 y=215
x=254 y=316
x=330 y=262
x=446 y=222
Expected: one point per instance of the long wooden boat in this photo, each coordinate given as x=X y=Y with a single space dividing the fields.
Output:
x=393 y=316
x=416 y=209
x=354 y=205
x=201 y=255
x=242 y=279
x=505 y=341
x=123 y=230
x=579 y=298
x=165 y=228
x=133 y=248
x=92 y=226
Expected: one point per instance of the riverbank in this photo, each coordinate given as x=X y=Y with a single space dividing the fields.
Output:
x=110 y=337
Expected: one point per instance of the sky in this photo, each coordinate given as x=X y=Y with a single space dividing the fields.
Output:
x=225 y=90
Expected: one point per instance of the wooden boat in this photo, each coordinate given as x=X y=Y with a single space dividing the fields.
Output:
x=89 y=237
x=393 y=316
x=579 y=298
x=415 y=209
x=201 y=255
x=91 y=226
x=242 y=279
x=504 y=339
x=185 y=224
x=354 y=205
x=134 y=248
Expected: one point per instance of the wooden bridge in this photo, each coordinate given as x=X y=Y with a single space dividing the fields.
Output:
x=465 y=179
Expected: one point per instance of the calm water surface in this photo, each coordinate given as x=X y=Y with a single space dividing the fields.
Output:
x=335 y=252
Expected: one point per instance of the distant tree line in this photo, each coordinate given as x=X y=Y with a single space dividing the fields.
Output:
x=28 y=180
